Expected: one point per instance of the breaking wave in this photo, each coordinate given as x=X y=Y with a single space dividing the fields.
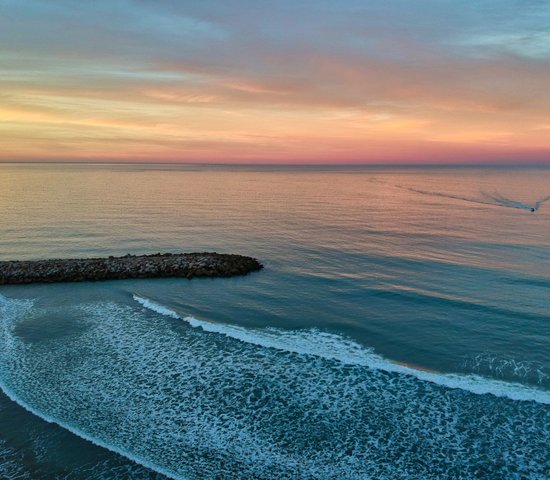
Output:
x=10 y=312
x=508 y=368
x=335 y=347
x=259 y=404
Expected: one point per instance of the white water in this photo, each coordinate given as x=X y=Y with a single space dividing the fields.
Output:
x=336 y=347
x=252 y=403
x=10 y=311
x=434 y=281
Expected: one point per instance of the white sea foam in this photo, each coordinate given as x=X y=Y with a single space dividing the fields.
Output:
x=79 y=433
x=248 y=404
x=156 y=307
x=10 y=310
x=508 y=368
x=335 y=347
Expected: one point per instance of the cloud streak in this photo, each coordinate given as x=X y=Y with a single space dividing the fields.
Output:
x=256 y=81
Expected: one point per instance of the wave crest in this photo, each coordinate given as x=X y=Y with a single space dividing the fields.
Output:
x=335 y=347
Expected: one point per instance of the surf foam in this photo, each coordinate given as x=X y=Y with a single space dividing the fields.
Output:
x=335 y=347
x=210 y=406
x=11 y=311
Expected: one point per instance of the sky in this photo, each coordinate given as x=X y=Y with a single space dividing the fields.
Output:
x=286 y=81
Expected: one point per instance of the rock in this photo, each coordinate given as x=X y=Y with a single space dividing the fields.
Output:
x=129 y=266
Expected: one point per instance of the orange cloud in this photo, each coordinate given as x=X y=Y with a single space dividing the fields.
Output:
x=338 y=83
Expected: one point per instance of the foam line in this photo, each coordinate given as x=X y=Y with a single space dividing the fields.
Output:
x=202 y=405
x=96 y=441
x=334 y=347
x=112 y=448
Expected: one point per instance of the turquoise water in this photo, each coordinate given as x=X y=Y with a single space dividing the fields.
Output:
x=400 y=329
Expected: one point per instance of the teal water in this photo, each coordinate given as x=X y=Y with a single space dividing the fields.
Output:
x=400 y=329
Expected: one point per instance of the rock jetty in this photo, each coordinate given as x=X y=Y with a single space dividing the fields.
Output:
x=189 y=265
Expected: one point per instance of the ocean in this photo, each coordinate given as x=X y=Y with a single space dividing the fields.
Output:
x=399 y=330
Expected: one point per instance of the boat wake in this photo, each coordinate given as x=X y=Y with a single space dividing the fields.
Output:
x=447 y=195
x=510 y=203
x=494 y=199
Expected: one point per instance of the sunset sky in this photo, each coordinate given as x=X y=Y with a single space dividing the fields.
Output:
x=347 y=81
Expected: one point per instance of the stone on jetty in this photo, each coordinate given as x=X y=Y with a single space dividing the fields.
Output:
x=187 y=265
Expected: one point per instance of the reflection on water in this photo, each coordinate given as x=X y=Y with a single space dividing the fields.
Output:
x=445 y=270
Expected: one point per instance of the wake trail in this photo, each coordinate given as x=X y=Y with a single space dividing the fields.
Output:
x=541 y=201
x=495 y=200
x=432 y=194
x=503 y=201
x=447 y=195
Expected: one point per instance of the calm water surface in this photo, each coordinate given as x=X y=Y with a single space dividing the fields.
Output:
x=400 y=329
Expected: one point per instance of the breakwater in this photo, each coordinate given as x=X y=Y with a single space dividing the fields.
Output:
x=189 y=265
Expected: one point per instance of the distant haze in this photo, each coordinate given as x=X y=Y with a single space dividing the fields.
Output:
x=349 y=81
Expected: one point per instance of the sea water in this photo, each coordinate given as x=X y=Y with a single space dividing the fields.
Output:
x=399 y=330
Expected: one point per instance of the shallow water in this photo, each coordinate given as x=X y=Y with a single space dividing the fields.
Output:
x=400 y=328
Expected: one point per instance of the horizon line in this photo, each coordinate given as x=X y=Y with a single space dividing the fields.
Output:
x=275 y=164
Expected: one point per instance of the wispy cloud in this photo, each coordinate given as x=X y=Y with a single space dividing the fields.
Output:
x=265 y=81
